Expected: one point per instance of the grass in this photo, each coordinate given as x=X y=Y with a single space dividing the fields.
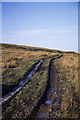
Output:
x=22 y=104
x=67 y=71
x=16 y=62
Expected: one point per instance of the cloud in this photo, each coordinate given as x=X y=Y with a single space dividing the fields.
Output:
x=45 y=32
x=57 y=38
x=41 y=35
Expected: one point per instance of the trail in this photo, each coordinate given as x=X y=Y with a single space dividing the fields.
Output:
x=21 y=84
x=41 y=111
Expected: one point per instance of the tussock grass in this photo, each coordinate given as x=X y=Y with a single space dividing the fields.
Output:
x=23 y=103
x=16 y=61
x=67 y=72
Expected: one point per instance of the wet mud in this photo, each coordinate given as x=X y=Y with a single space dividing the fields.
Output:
x=21 y=84
x=44 y=105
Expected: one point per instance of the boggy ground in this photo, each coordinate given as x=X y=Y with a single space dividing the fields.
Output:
x=23 y=103
x=65 y=102
x=43 y=108
x=16 y=62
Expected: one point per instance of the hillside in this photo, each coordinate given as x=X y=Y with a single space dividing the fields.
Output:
x=18 y=61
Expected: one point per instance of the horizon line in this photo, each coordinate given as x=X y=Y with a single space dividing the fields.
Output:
x=41 y=47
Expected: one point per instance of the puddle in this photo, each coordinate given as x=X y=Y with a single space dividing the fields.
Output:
x=21 y=84
x=41 y=60
x=42 y=115
x=48 y=102
x=30 y=74
x=45 y=103
x=52 y=90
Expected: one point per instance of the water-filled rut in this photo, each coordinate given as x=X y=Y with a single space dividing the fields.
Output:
x=45 y=106
x=42 y=109
x=21 y=84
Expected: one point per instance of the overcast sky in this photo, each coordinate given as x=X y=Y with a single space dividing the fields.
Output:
x=49 y=25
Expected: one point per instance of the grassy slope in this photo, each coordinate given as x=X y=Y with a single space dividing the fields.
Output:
x=21 y=58
x=67 y=72
x=16 y=62
x=22 y=104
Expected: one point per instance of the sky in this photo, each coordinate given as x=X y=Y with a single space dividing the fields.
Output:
x=52 y=25
x=40 y=0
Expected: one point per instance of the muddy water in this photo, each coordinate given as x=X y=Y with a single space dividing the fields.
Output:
x=45 y=106
x=21 y=84
x=42 y=110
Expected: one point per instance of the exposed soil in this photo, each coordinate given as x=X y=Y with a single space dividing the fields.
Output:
x=8 y=88
x=12 y=93
x=44 y=107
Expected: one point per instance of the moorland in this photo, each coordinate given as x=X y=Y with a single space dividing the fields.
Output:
x=16 y=63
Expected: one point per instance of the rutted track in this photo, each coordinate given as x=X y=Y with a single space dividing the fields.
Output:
x=21 y=84
x=41 y=110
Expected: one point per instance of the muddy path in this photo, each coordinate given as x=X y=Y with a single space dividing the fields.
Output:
x=21 y=84
x=42 y=109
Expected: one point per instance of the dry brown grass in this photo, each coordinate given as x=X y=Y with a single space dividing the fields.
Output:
x=23 y=103
x=16 y=61
x=67 y=72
